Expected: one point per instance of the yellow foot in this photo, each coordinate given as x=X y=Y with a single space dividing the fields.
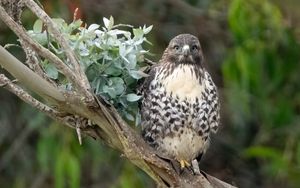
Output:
x=184 y=163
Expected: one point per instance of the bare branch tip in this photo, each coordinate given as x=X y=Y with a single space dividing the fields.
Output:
x=78 y=131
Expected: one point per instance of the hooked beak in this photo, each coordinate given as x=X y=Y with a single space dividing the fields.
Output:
x=186 y=50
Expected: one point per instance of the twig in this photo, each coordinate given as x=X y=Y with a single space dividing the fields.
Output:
x=33 y=62
x=18 y=91
x=83 y=84
x=6 y=46
x=9 y=85
x=69 y=120
x=150 y=62
x=78 y=131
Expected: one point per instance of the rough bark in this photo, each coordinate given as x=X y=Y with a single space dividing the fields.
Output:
x=80 y=109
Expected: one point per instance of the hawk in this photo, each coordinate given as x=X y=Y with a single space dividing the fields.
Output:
x=180 y=107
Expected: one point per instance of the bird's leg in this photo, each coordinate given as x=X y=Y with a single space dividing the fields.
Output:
x=176 y=167
x=195 y=165
x=174 y=162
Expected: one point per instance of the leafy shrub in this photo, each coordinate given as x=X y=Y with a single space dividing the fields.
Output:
x=112 y=58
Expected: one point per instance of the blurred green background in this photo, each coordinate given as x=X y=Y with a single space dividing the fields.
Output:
x=252 y=52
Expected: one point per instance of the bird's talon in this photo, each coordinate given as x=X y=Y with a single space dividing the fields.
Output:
x=184 y=163
x=181 y=164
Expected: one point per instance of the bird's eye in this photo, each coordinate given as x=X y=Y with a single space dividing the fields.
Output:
x=176 y=47
x=195 y=47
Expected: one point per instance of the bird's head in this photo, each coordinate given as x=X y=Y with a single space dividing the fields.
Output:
x=184 y=49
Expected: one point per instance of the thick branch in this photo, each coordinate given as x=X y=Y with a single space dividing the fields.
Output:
x=70 y=103
x=18 y=91
x=28 y=77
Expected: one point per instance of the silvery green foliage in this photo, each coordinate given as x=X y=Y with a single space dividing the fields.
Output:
x=112 y=59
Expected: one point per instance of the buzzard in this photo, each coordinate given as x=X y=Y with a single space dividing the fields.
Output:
x=180 y=107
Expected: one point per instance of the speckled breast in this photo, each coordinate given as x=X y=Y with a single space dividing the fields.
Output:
x=177 y=104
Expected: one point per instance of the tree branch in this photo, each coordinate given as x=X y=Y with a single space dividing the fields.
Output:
x=28 y=77
x=18 y=91
x=33 y=62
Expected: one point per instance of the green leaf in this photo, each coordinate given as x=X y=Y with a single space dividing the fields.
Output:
x=120 y=88
x=118 y=85
x=41 y=38
x=108 y=23
x=51 y=71
x=131 y=97
x=113 y=71
x=117 y=80
x=138 y=33
x=119 y=32
x=76 y=24
x=93 y=27
x=110 y=91
x=129 y=116
x=111 y=22
x=83 y=51
x=58 y=21
x=146 y=30
x=38 y=26
x=137 y=74
x=131 y=61
x=122 y=50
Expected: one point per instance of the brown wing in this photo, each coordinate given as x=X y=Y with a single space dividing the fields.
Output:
x=146 y=107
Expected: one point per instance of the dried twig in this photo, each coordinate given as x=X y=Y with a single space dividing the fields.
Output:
x=18 y=91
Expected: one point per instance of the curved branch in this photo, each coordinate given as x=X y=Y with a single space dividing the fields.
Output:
x=28 y=77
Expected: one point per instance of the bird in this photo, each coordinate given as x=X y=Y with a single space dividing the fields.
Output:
x=180 y=105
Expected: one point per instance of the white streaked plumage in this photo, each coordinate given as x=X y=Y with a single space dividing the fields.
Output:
x=180 y=106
